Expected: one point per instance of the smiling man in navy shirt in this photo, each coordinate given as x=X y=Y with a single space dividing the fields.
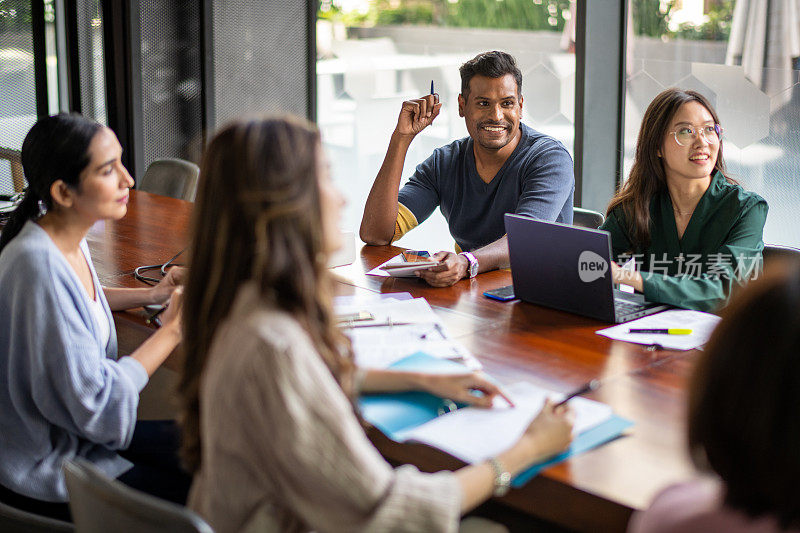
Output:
x=502 y=167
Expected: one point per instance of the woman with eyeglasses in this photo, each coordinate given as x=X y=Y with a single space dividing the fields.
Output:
x=743 y=420
x=693 y=232
x=270 y=427
x=64 y=393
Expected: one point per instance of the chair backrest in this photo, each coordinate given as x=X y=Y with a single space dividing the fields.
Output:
x=175 y=178
x=13 y=520
x=14 y=159
x=101 y=504
x=777 y=252
x=586 y=218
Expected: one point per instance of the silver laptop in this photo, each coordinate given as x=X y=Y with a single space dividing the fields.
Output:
x=568 y=268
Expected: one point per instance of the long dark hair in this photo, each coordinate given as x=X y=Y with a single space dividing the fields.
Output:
x=55 y=148
x=744 y=406
x=647 y=177
x=257 y=217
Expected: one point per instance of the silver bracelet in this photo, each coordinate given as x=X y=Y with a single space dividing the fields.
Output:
x=502 y=477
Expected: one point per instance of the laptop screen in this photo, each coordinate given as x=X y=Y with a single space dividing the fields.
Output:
x=561 y=266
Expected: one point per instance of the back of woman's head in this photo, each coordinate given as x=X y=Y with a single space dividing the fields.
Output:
x=744 y=401
x=56 y=148
x=256 y=213
x=256 y=217
x=647 y=176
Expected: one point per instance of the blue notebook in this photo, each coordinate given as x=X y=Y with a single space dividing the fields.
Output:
x=392 y=413
x=395 y=413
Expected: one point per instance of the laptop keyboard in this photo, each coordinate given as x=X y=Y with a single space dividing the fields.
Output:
x=624 y=307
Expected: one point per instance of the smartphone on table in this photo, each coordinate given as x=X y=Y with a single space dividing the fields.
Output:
x=503 y=294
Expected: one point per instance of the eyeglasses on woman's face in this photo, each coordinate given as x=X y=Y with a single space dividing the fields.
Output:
x=685 y=135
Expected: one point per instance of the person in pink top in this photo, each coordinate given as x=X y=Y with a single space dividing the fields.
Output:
x=744 y=420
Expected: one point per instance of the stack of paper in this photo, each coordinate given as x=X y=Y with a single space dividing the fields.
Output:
x=701 y=324
x=399 y=328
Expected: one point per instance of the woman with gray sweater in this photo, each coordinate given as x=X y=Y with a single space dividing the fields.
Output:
x=64 y=393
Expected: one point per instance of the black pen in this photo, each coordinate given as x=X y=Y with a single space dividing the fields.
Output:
x=154 y=316
x=587 y=387
x=432 y=92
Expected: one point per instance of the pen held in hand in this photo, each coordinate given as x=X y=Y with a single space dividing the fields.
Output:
x=433 y=93
x=153 y=317
x=585 y=388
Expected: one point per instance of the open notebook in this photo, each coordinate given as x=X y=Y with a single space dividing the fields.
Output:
x=473 y=434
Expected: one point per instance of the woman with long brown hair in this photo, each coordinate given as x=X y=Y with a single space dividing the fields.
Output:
x=693 y=231
x=744 y=420
x=269 y=424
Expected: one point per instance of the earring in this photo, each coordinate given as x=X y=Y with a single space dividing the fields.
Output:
x=42 y=208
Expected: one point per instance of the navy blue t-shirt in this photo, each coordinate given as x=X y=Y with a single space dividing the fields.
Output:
x=536 y=180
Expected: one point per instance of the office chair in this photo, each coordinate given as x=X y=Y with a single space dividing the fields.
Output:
x=586 y=218
x=99 y=504
x=13 y=520
x=175 y=178
x=777 y=252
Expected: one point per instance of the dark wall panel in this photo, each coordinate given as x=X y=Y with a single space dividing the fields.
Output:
x=260 y=57
x=171 y=79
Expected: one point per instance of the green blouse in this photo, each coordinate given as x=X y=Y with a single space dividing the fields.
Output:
x=721 y=246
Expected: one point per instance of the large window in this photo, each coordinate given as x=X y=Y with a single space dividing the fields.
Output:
x=744 y=59
x=17 y=86
x=91 y=63
x=372 y=55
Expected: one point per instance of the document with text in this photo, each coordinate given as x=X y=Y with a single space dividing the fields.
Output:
x=398 y=328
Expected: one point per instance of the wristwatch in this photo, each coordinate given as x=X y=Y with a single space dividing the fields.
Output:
x=502 y=478
x=473 y=264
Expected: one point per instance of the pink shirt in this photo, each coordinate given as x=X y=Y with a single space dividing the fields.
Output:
x=694 y=507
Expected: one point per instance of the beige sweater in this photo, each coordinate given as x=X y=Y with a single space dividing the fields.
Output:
x=282 y=449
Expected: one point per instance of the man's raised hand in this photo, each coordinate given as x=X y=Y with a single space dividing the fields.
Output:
x=418 y=114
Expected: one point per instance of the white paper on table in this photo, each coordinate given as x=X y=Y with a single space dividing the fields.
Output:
x=418 y=328
x=378 y=270
x=414 y=310
x=702 y=325
x=473 y=434
x=380 y=347
x=362 y=300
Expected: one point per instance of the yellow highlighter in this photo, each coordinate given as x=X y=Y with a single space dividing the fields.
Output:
x=662 y=331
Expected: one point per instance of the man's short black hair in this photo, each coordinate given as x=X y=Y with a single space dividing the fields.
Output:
x=492 y=65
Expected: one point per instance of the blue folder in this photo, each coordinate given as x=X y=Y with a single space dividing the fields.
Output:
x=393 y=413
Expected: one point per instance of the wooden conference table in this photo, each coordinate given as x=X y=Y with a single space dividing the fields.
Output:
x=595 y=491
